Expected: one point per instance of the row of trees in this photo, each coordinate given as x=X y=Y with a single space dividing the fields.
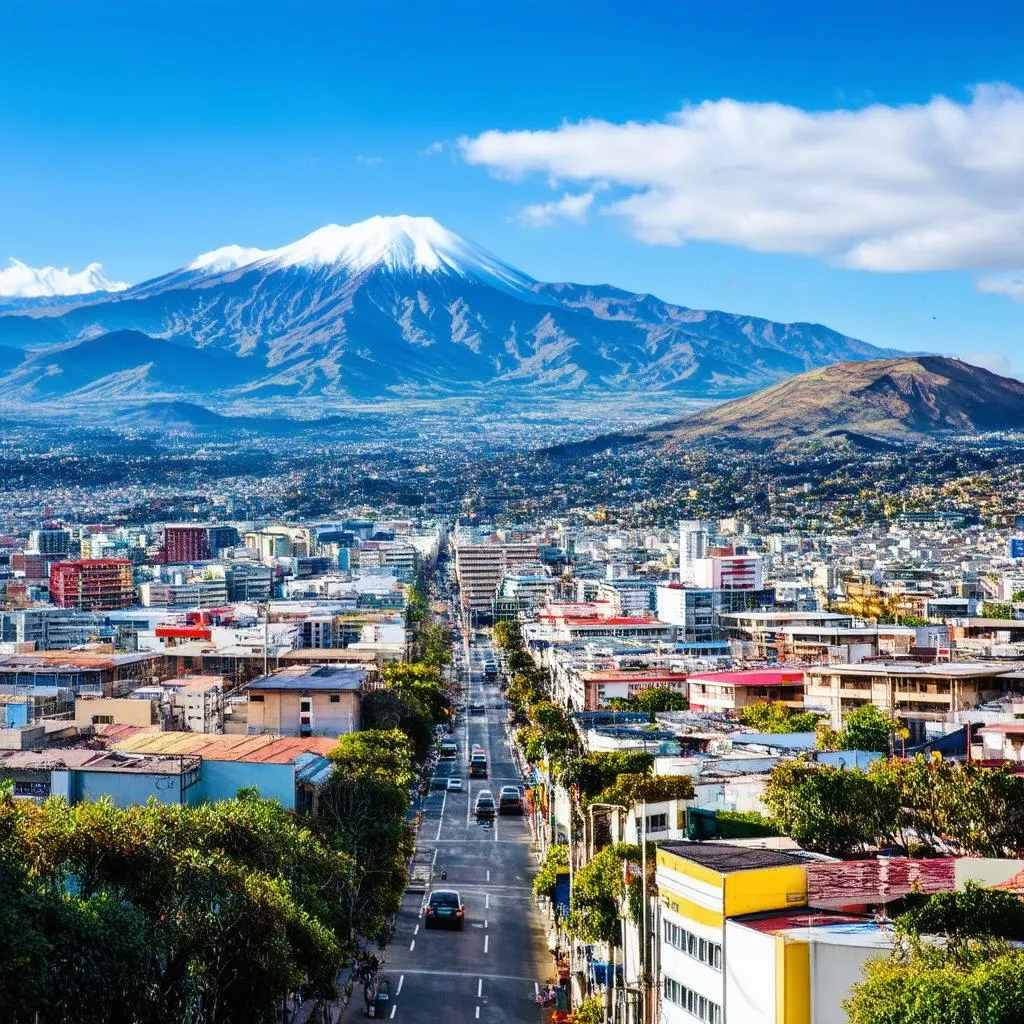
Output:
x=864 y=728
x=922 y=806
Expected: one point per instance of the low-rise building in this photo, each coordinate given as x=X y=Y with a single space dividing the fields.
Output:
x=733 y=691
x=318 y=701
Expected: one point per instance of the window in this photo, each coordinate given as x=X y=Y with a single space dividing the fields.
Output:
x=256 y=698
x=335 y=698
x=692 y=1002
x=655 y=823
x=704 y=950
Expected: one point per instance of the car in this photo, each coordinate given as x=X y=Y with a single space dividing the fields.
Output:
x=449 y=749
x=477 y=709
x=445 y=910
x=478 y=765
x=484 y=807
x=455 y=785
x=439 y=782
x=510 y=800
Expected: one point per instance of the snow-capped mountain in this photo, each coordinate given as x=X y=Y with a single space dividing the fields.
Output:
x=400 y=306
x=21 y=284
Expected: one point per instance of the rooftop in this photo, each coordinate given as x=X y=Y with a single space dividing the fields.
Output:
x=727 y=857
x=265 y=748
x=755 y=677
x=959 y=670
x=324 y=678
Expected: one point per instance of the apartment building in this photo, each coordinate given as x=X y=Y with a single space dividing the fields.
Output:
x=185 y=542
x=916 y=693
x=306 y=701
x=732 y=691
x=699 y=611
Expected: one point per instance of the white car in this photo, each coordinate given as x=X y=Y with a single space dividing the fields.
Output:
x=455 y=785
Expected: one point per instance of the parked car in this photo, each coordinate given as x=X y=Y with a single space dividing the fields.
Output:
x=445 y=910
x=484 y=804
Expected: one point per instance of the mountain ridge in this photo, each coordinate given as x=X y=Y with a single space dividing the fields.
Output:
x=402 y=307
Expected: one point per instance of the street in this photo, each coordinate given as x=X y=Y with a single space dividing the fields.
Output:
x=489 y=971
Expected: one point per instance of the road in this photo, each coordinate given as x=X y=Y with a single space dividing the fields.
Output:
x=489 y=971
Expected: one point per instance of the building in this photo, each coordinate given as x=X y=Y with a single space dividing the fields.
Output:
x=733 y=691
x=54 y=629
x=597 y=689
x=50 y=542
x=729 y=572
x=480 y=568
x=219 y=538
x=306 y=701
x=109 y=675
x=197 y=593
x=699 y=611
x=749 y=935
x=200 y=704
x=693 y=545
x=916 y=693
x=246 y=582
x=92 y=583
x=185 y=543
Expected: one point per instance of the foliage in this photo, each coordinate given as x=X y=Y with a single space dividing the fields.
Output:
x=592 y=773
x=597 y=892
x=432 y=644
x=744 y=824
x=868 y=728
x=165 y=911
x=419 y=684
x=386 y=710
x=833 y=810
x=997 y=610
x=632 y=788
x=590 y=1011
x=1018 y=596
x=934 y=986
x=507 y=635
x=380 y=755
x=523 y=690
x=555 y=863
x=652 y=701
x=775 y=717
x=970 y=913
x=965 y=809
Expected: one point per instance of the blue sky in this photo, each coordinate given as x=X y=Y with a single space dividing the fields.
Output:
x=141 y=134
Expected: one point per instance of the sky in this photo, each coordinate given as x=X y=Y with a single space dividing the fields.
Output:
x=858 y=165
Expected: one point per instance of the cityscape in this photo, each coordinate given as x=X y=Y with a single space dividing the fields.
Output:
x=393 y=627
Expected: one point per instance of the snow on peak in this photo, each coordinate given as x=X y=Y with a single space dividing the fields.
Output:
x=22 y=281
x=228 y=257
x=397 y=244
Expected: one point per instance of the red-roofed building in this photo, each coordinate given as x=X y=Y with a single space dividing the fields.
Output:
x=601 y=687
x=731 y=691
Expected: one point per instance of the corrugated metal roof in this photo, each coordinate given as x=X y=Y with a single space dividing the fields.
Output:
x=265 y=748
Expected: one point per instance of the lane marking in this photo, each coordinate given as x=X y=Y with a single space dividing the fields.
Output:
x=478 y=1013
x=440 y=820
x=485 y=922
x=412 y=945
x=393 y=1008
x=536 y=989
x=487 y=901
x=487 y=940
x=488 y=874
x=468 y=974
x=401 y=982
x=479 y=987
x=416 y=930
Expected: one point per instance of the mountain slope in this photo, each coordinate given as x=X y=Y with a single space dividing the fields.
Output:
x=907 y=397
x=400 y=306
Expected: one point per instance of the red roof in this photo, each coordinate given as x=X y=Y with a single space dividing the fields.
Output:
x=624 y=621
x=185 y=632
x=755 y=677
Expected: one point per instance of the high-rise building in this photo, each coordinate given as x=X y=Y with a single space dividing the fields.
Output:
x=729 y=572
x=481 y=567
x=52 y=542
x=185 y=543
x=92 y=583
x=693 y=544
x=221 y=537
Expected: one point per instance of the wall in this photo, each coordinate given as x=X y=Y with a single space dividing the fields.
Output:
x=221 y=780
x=125 y=790
x=123 y=710
x=834 y=969
x=279 y=712
x=749 y=975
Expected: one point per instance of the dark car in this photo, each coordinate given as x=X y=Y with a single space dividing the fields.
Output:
x=477 y=709
x=510 y=800
x=478 y=766
x=445 y=910
x=484 y=804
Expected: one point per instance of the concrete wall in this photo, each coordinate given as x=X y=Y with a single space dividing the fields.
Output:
x=834 y=969
x=123 y=710
x=279 y=712
x=125 y=789
x=749 y=975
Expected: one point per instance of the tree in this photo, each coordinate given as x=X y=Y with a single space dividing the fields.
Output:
x=832 y=810
x=507 y=635
x=380 y=755
x=631 y=788
x=775 y=717
x=597 y=892
x=962 y=915
x=652 y=701
x=555 y=863
x=868 y=728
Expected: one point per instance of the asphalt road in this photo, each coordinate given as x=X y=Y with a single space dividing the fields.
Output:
x=488 y=971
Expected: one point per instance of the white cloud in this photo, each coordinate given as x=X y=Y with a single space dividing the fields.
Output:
x=1010 y=285
x=931 y=186
x=995 y=362
x=20 y=280
x=569 y=207
x=435 y=148
x=369 y=161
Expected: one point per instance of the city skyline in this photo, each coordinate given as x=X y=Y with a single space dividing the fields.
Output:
x=229 y=129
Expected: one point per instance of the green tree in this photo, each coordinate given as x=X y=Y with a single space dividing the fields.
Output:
x=379 y=755
x=597 y=893
x=508 y=635
x=868 y=728
x=555 y=863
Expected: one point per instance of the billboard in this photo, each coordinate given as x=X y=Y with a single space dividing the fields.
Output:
x=1017 y=547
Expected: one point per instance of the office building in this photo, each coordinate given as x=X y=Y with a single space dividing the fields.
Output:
x=693 y=544
x=185 y=543
x=92 y=583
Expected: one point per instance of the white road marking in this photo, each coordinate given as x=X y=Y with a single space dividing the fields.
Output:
x=401 y=982
x=478 y=1013
x=487 y=940
x=485 y=922
x=393 y=1008
x=416 y=930
x=487 y=901
x=488 y=874
x=412 y=945
x=536 y=989
x=440 y=820
x=479 y=987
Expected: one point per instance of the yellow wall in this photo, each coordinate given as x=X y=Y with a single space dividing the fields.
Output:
x=792 y=981
x=748 y=892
